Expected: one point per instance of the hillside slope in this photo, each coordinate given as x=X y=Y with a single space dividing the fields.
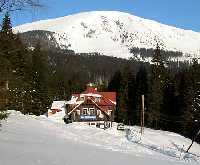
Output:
x=114 y=33
x=38 y=140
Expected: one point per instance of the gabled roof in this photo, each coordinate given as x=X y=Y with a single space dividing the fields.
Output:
x=108 y=95
x=101 y=99
x=102 y=108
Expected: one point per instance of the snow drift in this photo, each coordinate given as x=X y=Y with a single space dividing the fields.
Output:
x=38 y=140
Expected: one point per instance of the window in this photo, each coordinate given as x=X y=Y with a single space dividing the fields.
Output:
x=82 y=98
x=92 y=112
x=78 y=112
x=109 y=112
x=74 y=115
x=97 y=99
x=98 y=112
x=85 y=111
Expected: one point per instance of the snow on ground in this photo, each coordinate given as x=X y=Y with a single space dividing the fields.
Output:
x=31 y=140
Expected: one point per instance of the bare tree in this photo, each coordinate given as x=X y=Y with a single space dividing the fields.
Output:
x=14 y=5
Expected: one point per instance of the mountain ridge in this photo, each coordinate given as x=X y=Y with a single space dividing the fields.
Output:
x=85 y=32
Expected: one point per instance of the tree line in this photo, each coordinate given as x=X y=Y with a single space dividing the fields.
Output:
x=25 y=70
x=172 y=96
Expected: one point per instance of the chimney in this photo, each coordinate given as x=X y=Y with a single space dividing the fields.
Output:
x=91 y=88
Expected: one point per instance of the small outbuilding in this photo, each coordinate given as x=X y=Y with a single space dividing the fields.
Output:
x=57 y=106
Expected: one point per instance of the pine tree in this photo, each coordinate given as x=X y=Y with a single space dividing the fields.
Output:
x=169 y=113
x=14 y=51
x=186 y=95
x=196 y=110
x=5 y=40
x=141 y=89
x=131 y=98
x=114 y=83
x=117 y=84
x=155 y=97
x=121 y=107
x=157 y=58
x=195 y=72
x=6 y=25
x=40 y=98
x=4 y=64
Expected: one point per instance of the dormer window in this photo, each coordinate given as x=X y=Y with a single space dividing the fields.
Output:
x=97 y=99
x=82 y=98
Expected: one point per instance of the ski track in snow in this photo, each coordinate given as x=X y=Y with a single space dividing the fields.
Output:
x=27 y=140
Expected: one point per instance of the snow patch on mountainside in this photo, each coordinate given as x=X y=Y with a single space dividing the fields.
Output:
x=114 y=33
x=26 y=139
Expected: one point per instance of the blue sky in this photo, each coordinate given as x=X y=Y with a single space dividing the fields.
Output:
x=180 y=13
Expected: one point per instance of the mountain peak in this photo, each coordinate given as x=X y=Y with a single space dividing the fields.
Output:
x=114 y=33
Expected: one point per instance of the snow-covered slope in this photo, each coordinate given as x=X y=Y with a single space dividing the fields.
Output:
x=114 y=33
x=39 y=141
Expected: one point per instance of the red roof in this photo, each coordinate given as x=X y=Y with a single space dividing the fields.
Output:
x=106 y=100
x=109 y=95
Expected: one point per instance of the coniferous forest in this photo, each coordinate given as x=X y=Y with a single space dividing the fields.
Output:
x=37 y=76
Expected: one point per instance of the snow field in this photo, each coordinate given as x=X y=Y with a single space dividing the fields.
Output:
x=39 y=140
x=113 y=33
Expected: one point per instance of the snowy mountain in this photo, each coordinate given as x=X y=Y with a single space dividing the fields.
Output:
x=32 y=140
x=114 y=33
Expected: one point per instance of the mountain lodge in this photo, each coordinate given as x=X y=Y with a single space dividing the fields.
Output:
x=95 y=108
